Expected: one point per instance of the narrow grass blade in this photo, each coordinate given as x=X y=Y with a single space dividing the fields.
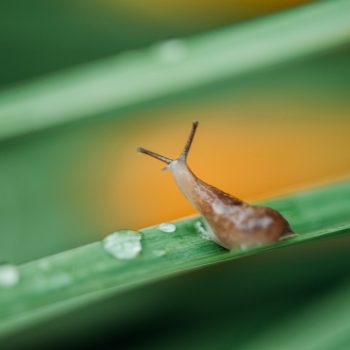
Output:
x=54 y=285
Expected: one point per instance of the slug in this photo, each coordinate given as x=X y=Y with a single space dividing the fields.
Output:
x=230 y=222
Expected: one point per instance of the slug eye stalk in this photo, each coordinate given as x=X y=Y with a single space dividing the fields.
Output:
x=189 y=141
x=154 y=155
x=184 y=153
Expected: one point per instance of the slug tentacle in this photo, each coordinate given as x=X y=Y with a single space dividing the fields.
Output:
x=189 y=141
x=231 y=222
x=154 y=155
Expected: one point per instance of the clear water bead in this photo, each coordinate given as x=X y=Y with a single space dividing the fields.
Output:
x=159 y=252
x=172 y=51
x=43 y=264
x=123 y=244
x=167 y=227
x=9 y=275
x=205 y=234
x=289 y=236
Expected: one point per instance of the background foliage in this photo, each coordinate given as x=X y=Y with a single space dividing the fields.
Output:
x=272 y=97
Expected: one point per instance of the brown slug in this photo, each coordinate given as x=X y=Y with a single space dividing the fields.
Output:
x=230 y=222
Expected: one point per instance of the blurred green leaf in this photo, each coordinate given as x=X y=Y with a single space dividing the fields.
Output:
x=133 y=78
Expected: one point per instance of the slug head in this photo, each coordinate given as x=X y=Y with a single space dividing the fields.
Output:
x=182 y=157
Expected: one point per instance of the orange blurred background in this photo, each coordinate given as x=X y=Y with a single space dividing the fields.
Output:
x=252 y=150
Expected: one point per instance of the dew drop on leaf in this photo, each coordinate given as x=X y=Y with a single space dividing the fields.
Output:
x=172 y=51
x=159 y=252
x=292 y=235
x=204 y=233
x=167 y=227
x=9 y=275
x=123 y=244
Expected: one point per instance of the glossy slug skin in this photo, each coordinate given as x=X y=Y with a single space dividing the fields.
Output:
x=231 y=222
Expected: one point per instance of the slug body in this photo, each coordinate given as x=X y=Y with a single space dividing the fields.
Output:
x=230 y=222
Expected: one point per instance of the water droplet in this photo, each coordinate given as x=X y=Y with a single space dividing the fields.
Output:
x=244 y=247
x=159 y=252
x=43 y=264
x=172 y=51
x=9 y=275
x=123 y=244
x=292 y=235
x=43 y=282
x=205 y=234
x=167 y=227
x=60 y=280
